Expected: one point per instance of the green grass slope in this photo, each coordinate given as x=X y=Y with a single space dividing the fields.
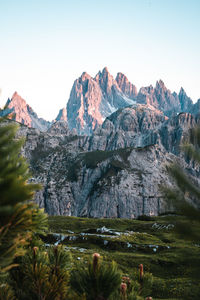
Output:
x=174 y=262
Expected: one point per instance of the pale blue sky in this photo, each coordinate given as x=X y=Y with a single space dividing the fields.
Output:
x=46 y=44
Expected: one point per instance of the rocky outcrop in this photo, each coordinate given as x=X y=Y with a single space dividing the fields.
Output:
x=126 y=86
x=92 y=100
x=195 y=109
x=114 y=173
x=62 y=115
x=185 y=102
x=121 y=183
x=83 y=107
x=133 y=126
x=175 y=130
x=160 y=97
x=21 y=112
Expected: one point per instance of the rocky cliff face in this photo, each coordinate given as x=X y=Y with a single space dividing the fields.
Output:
x=105 y=155
x=133 y=126
x=112 y=173
x=185 y=102
x=195 y=109
x=24 y=114
x=160 y=97
x=126 y=86
x=62 y=115
x=92 y=100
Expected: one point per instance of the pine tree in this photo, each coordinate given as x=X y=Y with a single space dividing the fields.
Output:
x=19 y=216
x=97 y=280
x=135 y=287
x=42 y=275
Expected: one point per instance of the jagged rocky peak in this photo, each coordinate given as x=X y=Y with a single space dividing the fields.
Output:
x=23 y=113
x=123 y=182
x=185 y=101
x=83 y=107
x=126 y=86
x=195 y=109
x=160 y=85
x=92 y=100
x=160 y=97
x=19 y=109
x=105 y=80
x=62 y=115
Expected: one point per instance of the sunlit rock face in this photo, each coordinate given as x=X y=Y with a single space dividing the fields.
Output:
x=19 y=108
x=126 y=86
x=23 y=113
x=92 y=100
x=83 y=107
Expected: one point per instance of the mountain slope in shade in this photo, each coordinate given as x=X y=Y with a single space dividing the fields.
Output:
x=195 y=109
x=185 y=101
x=23 y=113
x=93 y=99
x=62 y=115
x=160 y=97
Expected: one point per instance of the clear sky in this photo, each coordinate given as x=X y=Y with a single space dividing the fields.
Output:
x=46 y=44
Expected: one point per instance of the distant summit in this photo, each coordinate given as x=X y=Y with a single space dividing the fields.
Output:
x=93 y=99
x=21 y=112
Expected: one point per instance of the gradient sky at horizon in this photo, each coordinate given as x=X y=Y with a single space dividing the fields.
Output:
x=46 y=44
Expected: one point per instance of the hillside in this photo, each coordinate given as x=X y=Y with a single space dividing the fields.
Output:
x=173 y=262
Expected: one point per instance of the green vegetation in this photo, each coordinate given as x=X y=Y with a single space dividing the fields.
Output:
x=19 y=217
x=150 y=258
x=154 y=243
x=185 y=197
x=41 y=274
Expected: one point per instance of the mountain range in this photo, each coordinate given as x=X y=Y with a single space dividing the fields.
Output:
x=92 y=100
x=105 y=154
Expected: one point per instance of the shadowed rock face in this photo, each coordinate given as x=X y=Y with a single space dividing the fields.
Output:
x=133 y=126
x=160 y=97
x=62 y=115
x=122 y=180
x=195 y=109
x=185 y=101
x=23 y=113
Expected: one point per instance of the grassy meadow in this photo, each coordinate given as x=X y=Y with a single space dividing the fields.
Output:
x=173 y=261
